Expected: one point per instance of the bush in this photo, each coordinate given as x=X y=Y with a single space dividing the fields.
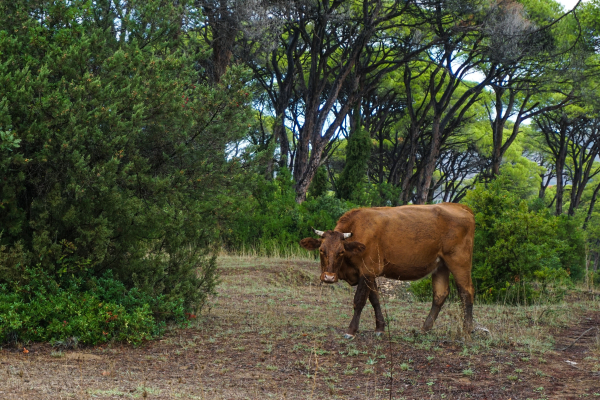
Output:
x=520 y=253
x=271 y=219
x=69 y=309
x=112 y=153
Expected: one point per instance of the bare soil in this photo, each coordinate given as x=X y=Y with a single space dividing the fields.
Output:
x=274 y=332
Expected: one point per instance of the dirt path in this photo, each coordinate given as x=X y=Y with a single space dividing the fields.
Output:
x=283 y=340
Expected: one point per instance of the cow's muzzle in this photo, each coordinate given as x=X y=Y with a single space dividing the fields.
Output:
x=329 y=277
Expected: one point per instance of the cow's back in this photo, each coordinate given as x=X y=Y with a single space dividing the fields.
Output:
x=406 y=242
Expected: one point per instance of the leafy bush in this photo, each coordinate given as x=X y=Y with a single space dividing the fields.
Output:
x=271 y=218
x=66 y=308
x=113 y=149
x=520 y=253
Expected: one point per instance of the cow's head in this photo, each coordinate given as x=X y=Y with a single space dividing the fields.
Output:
x=333 y=247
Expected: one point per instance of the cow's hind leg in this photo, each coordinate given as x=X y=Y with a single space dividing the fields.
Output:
x=360 y=298
x=460 y=266
x=374 y=299
x=441 y=288
x=467 y=294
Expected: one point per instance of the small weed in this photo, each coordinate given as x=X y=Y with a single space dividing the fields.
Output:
x=512 y=377
x=467 y=372
x=57 y=354
x=271 y=368
x=353 y=352
x=370 y=361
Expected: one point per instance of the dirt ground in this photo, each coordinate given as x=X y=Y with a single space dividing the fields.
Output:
x=274 y=332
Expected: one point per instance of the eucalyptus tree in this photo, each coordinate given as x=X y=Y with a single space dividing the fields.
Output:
x=460 y=167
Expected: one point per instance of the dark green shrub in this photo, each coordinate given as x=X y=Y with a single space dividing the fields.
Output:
x=320 y=183
x=271 y=218
x=117 y=150
x=67 y=308
x=422 y=289
x=519 y=253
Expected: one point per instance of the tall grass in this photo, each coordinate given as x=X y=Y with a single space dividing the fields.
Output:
x=270 y=249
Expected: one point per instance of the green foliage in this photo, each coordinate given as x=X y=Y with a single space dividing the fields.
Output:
x=271 y=218
x=519 y=252
x=112 y=151
x=42 y=307
x=358 y=151
x=422 y=289
x=320 y=183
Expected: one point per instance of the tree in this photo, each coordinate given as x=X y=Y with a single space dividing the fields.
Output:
x=459 y=49
x=358 y=152
x=121 y=164
x=583 y=149
x=531 y=62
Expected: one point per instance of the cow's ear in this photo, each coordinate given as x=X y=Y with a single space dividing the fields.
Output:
x=354 y=247
x=310 y=243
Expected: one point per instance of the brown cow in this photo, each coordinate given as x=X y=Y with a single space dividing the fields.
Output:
x=405 y=243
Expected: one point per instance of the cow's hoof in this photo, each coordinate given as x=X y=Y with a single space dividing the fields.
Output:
x=348 y=336
x=379 y=334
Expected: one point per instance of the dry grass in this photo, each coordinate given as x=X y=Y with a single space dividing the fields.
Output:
x=274 y=332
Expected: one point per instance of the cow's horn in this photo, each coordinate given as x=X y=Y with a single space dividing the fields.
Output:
x=347 y=235
x=319 y=233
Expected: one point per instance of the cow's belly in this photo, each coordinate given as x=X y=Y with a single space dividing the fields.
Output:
x=409 y=272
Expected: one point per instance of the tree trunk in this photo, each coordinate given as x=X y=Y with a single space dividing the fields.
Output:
x=560 y=165
x=407 y=177
x=309 y=171
x=429 y=167
x=497 y=134
x=591 y=207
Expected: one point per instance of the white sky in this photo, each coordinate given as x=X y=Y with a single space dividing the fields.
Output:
x=569 y=4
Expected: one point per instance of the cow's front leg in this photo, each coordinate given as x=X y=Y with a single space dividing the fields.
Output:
x=360 y=298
